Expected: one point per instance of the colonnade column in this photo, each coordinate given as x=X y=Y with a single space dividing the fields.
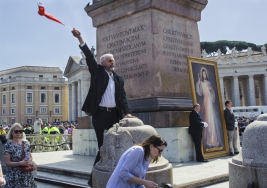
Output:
x=222 y=88
x=74 y=105
x=251 y=91
x=79 y=99
x=236 y=92
x=265 y=89
x=70 y=103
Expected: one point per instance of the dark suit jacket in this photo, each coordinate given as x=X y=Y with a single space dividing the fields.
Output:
x=195 y=123
x=229 y=119
x=99 y=82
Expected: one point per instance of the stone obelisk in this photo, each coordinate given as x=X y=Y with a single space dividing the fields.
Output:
x=150 y=40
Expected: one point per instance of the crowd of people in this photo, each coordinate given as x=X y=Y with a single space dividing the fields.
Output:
x=46 y=128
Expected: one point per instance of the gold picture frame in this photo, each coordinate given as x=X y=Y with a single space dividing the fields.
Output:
x=205 y=86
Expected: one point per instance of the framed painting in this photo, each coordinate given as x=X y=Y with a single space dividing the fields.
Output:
x=206 y=91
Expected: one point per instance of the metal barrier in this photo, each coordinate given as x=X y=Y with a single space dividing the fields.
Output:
x=49 y=142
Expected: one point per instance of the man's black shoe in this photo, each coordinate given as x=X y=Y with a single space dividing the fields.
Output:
x=236 y=153
x=203 y=161
x=231 y=154
x=90 y=181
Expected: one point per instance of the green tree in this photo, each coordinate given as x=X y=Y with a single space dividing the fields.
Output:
x=212 y=47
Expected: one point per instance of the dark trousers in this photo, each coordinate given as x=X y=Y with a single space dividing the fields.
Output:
x=103 y=120
x=197 y=143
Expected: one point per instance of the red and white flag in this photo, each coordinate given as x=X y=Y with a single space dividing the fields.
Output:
x=42 y=12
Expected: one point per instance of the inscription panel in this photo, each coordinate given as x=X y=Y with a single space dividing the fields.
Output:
x=150 y=50
x=177 y=38
x=129 y=41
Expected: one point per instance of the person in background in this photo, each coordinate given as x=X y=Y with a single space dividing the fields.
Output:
x=231 y=126
x=61 y=129
x=133 y=164
x=2 y=131
x=14 y=160
x=195 y=129
x=44 y=129
x=37 y=126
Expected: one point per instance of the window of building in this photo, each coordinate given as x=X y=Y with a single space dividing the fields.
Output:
x=42 y=87
x=1 y=78
x=29 y=97
x=9 y=77
x=29 y=110
x=57 y=111
x=56 y=88
x=29 y=87
x=4 y=99
x=12 y=110
x=41 y=76
x=43 y=110
x=43 y=97
x=55 y=76
x=29 y=121
x=4 y=89
x=56 y=98
x=13 y=88
x=45 y=120
x=4 y=111
x=13 y=98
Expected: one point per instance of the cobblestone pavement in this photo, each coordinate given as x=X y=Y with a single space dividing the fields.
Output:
x=45 y=185
x=219 y=185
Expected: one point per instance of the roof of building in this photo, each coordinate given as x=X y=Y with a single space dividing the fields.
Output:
x=31 y=69
x=242 y=57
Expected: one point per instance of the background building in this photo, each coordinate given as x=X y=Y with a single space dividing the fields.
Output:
x=243 y=77
x=28 y=92
x=78 y=85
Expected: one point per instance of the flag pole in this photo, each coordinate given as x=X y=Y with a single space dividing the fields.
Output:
x=68 y=26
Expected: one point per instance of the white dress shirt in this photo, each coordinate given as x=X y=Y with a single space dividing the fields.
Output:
x=108 y=98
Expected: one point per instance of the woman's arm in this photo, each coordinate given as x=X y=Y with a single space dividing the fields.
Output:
x=146 y=183
x=10 y=163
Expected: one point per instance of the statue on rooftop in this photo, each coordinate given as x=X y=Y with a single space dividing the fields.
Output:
x=234 y=52
x=249 y=51
x=204 y=54
x=263 y=50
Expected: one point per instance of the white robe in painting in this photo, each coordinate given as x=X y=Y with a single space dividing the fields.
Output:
x=212 y=136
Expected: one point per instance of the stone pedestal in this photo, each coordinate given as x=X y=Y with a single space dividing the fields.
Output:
x=150 y=40
x=84 y=142
x=180 y=145
x=250 y=165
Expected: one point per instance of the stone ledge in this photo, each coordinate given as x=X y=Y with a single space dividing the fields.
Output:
x=204 y=182
x=103 y=11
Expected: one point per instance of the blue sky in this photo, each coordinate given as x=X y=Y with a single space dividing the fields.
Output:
x=29 y=39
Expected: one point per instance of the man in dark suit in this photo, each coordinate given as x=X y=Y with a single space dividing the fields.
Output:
x=106 y=100
x=196 y=125
x=231 y=126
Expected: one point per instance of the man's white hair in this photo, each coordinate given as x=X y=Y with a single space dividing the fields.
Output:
x=103 y=57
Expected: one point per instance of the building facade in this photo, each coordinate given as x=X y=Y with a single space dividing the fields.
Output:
x=243 y=77
x=28 y=92
x=78 y=85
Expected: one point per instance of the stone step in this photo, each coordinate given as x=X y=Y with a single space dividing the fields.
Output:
x=63 y=171
x=61 y=180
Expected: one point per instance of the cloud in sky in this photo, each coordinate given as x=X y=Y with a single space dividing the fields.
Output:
x=29 y=39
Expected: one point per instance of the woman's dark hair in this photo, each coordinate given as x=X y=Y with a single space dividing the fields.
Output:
x=203 y=70
x=155 y=140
